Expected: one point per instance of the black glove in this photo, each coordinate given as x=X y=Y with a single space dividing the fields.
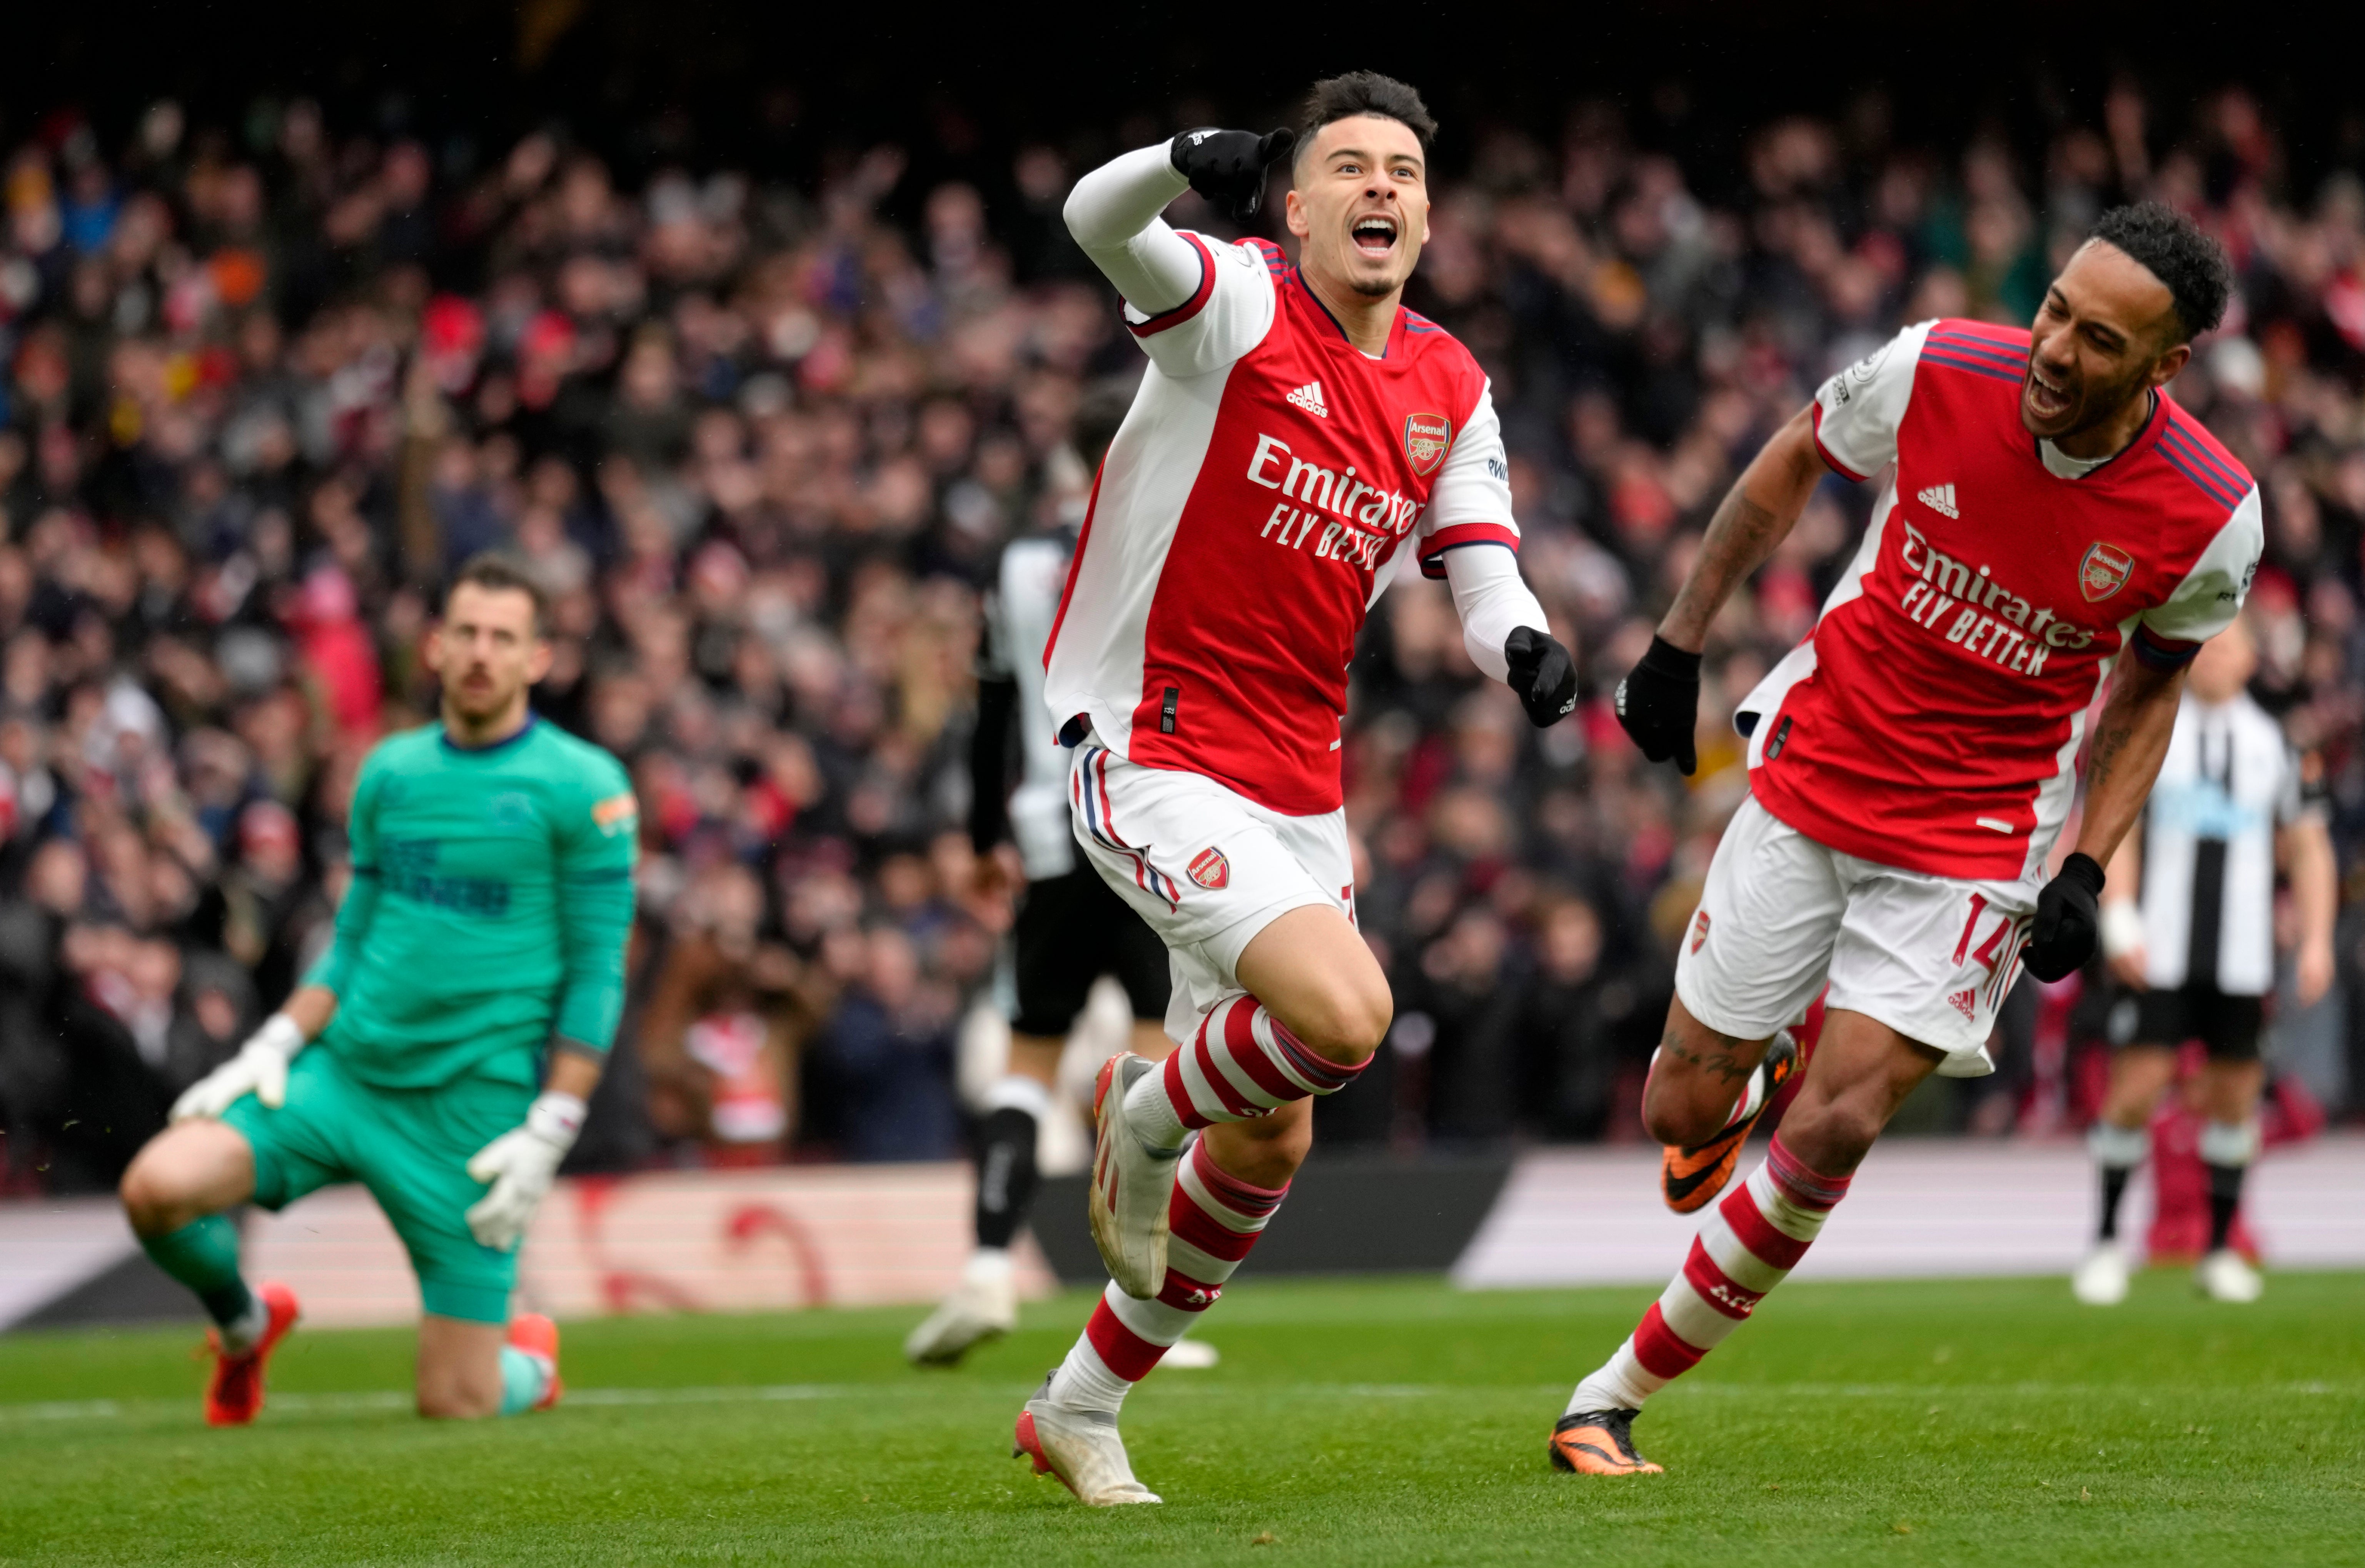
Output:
x=1659 y=704
x=2068 y=919
x=1542 y=674
x=1228 y=166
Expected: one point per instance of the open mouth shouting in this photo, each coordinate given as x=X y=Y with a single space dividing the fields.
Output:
x=2048 y=400
x=1374 y=235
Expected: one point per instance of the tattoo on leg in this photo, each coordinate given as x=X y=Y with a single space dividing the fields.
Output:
x=1722 y=1059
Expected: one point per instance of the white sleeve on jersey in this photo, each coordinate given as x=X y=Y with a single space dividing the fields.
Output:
x=2210 y=595
x=1857 y=412
x=1195 y=304
x=1491 y=601
x=1476 y=484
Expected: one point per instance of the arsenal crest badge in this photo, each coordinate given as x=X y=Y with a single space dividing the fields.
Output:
x=2103 y=572
x=1210 y=869
x=1426 y=438
x=1700 y=930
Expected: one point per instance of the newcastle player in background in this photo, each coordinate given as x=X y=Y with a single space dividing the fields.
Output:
x=2052 y=528
x=1071 y=927
x=2198 y=947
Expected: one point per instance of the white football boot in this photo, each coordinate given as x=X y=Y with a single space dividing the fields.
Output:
x=984 y=1307
x=2227 y=1276
x=2101 y=1279
x=1080 y=1447
x=1133 y=1183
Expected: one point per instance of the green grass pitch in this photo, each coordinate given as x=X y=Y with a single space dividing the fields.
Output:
x=1351 y=1422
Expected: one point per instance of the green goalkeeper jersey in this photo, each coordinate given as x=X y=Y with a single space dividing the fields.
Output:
x=491 y=897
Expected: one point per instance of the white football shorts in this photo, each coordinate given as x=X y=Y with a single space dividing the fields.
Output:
x=1931 y=957
x=1208 y=867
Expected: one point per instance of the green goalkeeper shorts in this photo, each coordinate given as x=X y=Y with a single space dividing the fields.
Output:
x=411 y=1148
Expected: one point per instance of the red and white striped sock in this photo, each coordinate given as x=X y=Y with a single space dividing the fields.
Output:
x=1216 y=1219
x=1748 y=1244
x=1240 y=1063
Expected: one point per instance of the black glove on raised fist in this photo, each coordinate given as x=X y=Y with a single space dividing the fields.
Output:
x=1658 y=703
x=1542 y=674
x=1228 y=166
x=2068 y=919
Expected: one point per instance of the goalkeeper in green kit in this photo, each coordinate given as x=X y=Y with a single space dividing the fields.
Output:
x=440 y=1052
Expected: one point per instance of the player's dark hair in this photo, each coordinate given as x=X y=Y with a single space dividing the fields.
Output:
x=2172 y=248
x=502 y=572
x=1363 y=93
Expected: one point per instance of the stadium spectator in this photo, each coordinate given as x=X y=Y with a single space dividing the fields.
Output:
x=761 y=441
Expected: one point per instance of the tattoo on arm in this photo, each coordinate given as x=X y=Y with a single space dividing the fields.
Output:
x=1739 y=536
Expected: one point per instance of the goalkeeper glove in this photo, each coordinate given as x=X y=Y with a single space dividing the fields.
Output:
x=1658 y=703
x=520 y=1165
x=259 y=1069
x=1542 y=674
x=2068 y=919
x=1228 y=166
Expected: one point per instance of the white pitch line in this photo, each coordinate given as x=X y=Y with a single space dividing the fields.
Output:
x=373 y=1400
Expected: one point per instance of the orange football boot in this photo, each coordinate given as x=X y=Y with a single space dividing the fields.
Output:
x=235 y=1395
x=538 y=1336
x=1598 y=1442
x=1690 y=1176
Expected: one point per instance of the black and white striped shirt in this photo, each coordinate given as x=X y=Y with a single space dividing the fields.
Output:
x=2229 y=781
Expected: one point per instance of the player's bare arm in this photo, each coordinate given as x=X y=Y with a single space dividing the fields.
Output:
x=2305 y=849
x=1659 y=702
x=1749 y=524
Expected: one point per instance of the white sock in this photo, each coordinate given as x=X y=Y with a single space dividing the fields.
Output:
x=238 y=1337
x=1151 y=1113
x=987 y=1266
x=1084 y=1382
x=1621 y=1383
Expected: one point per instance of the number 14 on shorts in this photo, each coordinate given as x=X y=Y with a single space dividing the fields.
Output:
x=1997 y=955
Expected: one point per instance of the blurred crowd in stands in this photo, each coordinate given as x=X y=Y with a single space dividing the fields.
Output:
x=260 y=387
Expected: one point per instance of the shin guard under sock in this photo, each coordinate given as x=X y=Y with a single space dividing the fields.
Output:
x=1005 y=1158
x=1216 y=1219
x=203 y=1255
x=1242 y=1062
x=1748 y=1244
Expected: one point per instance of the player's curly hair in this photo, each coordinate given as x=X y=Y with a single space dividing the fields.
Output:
x=2172 y=248
x=1363 y=93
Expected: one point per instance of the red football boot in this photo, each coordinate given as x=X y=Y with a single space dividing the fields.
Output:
x=235 y=1397
x=538 y=1336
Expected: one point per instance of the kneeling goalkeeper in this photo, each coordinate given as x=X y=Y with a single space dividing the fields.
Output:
x=484 y=932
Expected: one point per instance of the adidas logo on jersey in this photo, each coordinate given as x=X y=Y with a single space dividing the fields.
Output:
x=1310 y=398
x=1963 y=1001
x=1940 y=498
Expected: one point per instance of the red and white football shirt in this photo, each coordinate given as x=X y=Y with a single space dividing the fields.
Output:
x=1931 y=720
x=1262 y=492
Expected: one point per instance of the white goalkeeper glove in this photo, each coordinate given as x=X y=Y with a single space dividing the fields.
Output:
x=520 y=1165
x=259 y=1069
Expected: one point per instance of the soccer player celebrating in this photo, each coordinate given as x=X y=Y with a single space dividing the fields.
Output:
x=2199 y=948
x=1297 y=435
x=2050 y=510
x=484 y=927
x=1071 y=928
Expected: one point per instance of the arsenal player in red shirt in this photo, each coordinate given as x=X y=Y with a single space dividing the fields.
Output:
x=2052 y=523
x=1299 y=438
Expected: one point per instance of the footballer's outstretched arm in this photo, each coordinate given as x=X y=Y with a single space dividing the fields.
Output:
x=1658 y=702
